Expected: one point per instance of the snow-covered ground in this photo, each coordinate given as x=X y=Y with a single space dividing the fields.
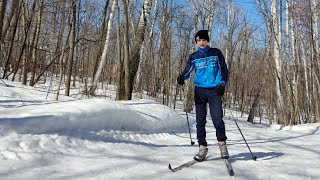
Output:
x=103 y=139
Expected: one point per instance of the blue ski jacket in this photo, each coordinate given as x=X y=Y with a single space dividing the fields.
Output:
x=210 y=68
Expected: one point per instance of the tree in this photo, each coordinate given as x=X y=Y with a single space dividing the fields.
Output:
x=3 y=6
x=34 y=44
x=73 y=7
x=120 y=70
x=27 y=19
x=277 y=59
x=104 y=53
x=102 y=36
x=126 y=51
x=16 y=10
x=134 y=55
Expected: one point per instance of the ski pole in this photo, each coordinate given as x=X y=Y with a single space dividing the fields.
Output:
x=4 y=83
x=252 y=156
x=192 y=142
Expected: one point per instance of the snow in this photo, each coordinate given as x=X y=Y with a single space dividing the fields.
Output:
x=95 y=138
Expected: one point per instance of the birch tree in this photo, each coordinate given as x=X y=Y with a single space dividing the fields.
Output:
x=211 y=14
x=228 y=35
x=277 y=59
x=291 y=58
x=104 y=53
x=268 y=18
x=102 y=36
x=315 y=28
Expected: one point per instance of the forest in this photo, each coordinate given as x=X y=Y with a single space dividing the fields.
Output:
x=140 y=47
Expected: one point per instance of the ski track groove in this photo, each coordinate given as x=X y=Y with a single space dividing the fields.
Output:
x=57 y=145
x=10 y=155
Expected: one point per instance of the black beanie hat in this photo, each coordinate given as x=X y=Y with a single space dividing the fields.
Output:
x=202 y=34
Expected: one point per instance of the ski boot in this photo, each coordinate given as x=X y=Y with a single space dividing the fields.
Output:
x=223 y=149
x=203 y=150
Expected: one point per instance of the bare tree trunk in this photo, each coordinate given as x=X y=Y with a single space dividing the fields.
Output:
x=120 y=78
x=103 y=28
x=189 y=99
x=315 y=10
x=61 y=66
x=11 y=16
x=60 y=76
x=254 y=106
x=3 y=6
x=35 y=45
x=165 y=52
x=287 y=36
x=77 y=34
x=23 y=73
x=135 y=51
x=306 y=78
x=126 y=49
x=104 y=54
x=314 y=61
x=131 y=21
x=229 y=41
x=170 y=63
x=264 y=10
x=293 y=83
x=277 y=59
x=279 y=11
x=162 y=52
x=149 y=70
x=315 y=27
x=26 y=34
x=57 y=46
x=211 y=8
x=12 y=35
x=71 y=46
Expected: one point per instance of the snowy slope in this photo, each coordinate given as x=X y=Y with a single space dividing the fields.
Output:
x=103 y=139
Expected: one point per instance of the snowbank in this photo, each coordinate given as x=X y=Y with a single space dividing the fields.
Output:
x=33 y=116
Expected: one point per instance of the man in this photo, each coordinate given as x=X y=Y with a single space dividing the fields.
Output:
x=211 y=75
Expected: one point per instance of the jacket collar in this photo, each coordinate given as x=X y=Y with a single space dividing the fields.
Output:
x=204 y=50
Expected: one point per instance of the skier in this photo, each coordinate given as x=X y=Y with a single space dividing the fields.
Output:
x=211 y=75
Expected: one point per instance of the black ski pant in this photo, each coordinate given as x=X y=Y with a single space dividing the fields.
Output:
x=204 y=96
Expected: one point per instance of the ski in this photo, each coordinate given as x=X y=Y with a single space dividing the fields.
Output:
x=187 y=164
x=229 y=167
x=192 y=162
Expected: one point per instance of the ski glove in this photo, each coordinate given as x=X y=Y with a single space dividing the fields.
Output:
x=180 y=80
x=220 y=89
